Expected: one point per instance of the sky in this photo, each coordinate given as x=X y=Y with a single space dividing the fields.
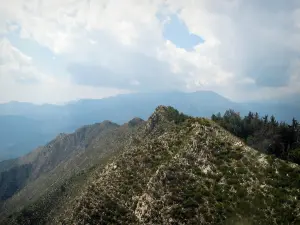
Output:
x=56 y=51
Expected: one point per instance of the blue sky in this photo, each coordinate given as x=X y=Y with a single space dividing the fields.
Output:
x=178 y=33
x=63 y=50
x=42 y=56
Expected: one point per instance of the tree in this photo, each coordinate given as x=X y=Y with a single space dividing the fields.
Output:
x=266 y=119
x=273 y=121
x=265 y=134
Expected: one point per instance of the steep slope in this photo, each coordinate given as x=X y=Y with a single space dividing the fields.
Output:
x=60 y=159
x=176 y=169
x=7 y=164
x=13 y=179
x=191 y=173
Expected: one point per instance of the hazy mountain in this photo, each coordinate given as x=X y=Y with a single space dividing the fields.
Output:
x=19 y=135
x=282 y=111
x=29 y=125
x=171 y=169
x=49 y=166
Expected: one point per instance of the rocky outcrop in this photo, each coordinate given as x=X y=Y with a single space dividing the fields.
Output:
x=174 y=169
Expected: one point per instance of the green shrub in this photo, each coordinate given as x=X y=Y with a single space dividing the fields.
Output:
x=294 y=155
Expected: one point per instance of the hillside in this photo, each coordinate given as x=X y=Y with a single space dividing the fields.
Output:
x=41 y=123
x=265 y=134
x=172 y=169
x=57 y=161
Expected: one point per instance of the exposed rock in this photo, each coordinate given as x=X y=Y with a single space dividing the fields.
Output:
x=175 y=169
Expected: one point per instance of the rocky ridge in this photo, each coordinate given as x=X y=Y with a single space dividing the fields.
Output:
x=183 y=170
x=175 y=169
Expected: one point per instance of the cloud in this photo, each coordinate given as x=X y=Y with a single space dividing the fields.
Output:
x=16 y=65
x=135 y=72
x=248 y=39
x=251 y=49
x=56 y=92
x=21 y=80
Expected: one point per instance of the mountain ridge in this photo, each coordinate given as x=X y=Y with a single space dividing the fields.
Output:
x=171 y=169
x=67 y=152
x=54 y=119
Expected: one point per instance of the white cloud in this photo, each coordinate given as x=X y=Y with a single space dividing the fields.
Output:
x=244 y=40
x=16 y=65
x=51 y=92
x=251 y=48
x=20 y=80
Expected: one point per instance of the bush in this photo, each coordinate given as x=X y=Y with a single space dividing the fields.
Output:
x=294 y=155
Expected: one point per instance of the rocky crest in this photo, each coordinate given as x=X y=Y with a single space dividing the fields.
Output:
x=174 y=169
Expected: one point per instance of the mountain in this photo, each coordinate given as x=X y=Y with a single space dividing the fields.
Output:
x=54 y=162
x=170 y=169
x=19 y=135
x=25 y=126
x=42 y=122
x=283 y=111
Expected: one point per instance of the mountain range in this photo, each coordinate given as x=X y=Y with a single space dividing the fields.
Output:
x=25 y=126
x=168 y=169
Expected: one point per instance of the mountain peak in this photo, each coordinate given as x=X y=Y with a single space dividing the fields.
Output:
x=162 y=110
x=184 y=171
x=135 y=121
x=170 y=114
x=165 y=114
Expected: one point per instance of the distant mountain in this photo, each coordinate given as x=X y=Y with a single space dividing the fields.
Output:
x=170 y=169
x=19 y=135
x=42 y=122
x=56 y=161
x=25 y=108
x=282 y=111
